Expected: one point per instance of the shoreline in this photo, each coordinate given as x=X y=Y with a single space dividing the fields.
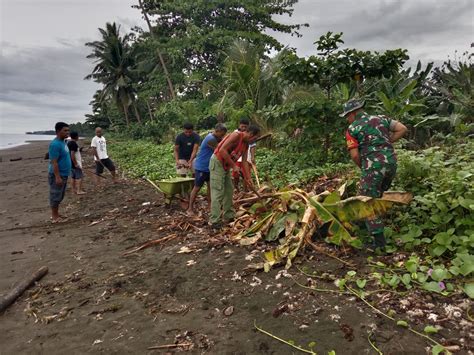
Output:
x=25 y=143
x=30 y=142
x=30 y=151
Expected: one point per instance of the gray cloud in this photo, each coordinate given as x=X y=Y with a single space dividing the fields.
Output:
x=43 y=58
x=42 y=62
x=41 y=85
x=429 y=29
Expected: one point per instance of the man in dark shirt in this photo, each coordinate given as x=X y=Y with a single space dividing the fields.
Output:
x=76 y=160
x=185 y=149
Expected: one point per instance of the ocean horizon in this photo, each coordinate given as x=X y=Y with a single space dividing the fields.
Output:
x=11 y=140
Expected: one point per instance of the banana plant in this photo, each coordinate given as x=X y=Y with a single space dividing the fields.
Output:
x=397 y=97
x=455 y=82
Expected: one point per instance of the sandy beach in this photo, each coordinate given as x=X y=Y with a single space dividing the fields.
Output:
x=192 y=292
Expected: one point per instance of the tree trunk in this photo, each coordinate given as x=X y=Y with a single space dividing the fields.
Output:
x=158 y=52
x=149 y=110
x=327 y=137
x=18 y=290
x=125 y=111
x=137 y=114
x=220 y=117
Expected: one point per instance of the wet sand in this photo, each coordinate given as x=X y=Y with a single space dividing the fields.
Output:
x=96 y=300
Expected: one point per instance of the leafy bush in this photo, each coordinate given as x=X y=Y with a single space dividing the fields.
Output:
x=279 y=167
x=440 y=219
x=282 y=167
x=144 y=159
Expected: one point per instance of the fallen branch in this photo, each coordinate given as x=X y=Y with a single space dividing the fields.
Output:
x=169 y=346
x=253 y=199
x=193 y=226
x=150 y=243
x=31 y=158
x=18 y=290
x=94 y=173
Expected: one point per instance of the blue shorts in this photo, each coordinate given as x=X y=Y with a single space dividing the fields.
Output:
x=56 y=193
x=77 y=174
x=200 y=177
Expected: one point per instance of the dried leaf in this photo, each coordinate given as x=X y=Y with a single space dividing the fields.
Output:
x=250 y=240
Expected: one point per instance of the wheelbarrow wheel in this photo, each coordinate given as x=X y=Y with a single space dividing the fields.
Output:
x=168 y=200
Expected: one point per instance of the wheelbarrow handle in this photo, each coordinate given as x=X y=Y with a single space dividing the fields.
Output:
x=155 y=186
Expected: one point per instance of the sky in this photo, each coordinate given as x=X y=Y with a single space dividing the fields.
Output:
x=43 y=57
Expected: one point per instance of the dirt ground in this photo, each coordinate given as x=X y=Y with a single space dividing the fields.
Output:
x=193 y=290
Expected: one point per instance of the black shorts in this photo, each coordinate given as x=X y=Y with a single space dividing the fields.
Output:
x=201 y=177
x=99 y=166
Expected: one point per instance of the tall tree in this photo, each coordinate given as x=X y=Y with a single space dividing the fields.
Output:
x=158 y=52
x=332 y=65
x=114 y=68
x=196 y=33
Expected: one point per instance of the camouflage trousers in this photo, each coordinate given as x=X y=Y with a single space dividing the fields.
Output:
x=373 y=183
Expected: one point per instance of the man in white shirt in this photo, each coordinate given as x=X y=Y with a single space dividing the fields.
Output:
x=99 y=149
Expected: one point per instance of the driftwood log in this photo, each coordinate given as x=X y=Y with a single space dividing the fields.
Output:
x=18 y=290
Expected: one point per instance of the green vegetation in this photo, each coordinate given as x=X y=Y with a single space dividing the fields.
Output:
x=216 y=69
x=144 y=159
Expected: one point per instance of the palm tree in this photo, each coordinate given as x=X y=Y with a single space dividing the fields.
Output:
x=252 y=77
x=114 y=62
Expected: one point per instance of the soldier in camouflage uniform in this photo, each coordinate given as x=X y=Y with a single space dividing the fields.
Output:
x=369 y=140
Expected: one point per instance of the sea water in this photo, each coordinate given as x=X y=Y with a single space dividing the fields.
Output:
x=10 y=140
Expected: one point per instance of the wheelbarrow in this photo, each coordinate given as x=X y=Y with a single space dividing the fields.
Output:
x=173 y=186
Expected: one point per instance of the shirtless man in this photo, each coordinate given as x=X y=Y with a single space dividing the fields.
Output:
x=224 y=159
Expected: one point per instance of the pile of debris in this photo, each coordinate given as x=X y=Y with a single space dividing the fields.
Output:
x=293 y=218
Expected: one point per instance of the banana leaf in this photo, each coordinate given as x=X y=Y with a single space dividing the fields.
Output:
x=333 y=197
x=291 y=222
x=337 y=232
x=293 y=243
x=256 y=227
x=280 y=225
x=363 y=207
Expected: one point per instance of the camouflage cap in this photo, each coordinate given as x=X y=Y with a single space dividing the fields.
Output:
x=352 y=105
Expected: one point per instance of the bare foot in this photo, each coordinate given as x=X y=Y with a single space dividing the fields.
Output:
x=58 y=220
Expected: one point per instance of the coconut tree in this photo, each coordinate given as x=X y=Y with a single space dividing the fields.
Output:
x=251 y=78
x=114 y=68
